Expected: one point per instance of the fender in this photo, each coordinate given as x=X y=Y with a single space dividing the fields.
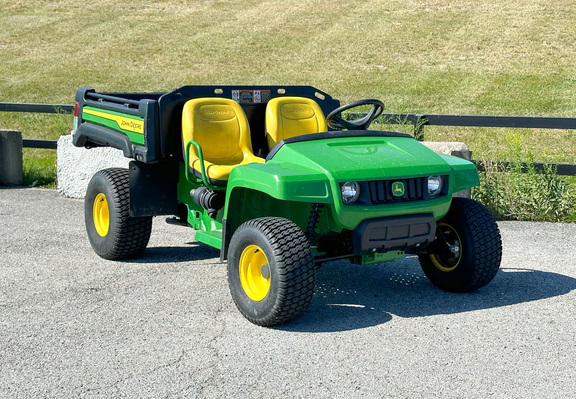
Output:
x=464 y=172
x=89 y=135
x=281 y=183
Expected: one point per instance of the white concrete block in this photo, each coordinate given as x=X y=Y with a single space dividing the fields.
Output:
x=76 y=166
x=453 y=148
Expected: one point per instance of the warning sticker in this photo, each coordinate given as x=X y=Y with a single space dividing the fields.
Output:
x=251 y=96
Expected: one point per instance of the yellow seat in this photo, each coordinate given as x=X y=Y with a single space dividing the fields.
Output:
x=292 y=116
x=220 y=127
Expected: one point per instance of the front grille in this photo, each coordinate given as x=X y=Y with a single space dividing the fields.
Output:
x=382 y=191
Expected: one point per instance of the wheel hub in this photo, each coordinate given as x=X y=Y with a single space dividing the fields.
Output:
x=255 y=275
x=101 y=214
x=448 y=258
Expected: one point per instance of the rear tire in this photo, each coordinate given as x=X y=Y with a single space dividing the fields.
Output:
x=270 y=271
x=112 y=232
x=467 y=251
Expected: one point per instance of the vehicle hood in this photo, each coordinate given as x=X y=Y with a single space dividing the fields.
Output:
x=361 y=157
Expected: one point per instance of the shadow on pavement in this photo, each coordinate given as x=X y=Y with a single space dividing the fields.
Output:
x=194 y=251
x=350 y=297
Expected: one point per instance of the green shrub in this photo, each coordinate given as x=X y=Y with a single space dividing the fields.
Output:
x=521 y=192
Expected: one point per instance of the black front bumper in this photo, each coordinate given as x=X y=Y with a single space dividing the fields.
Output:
x=401 y=233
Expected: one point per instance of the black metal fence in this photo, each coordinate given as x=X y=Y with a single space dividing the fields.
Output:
x=419 y=121
x=38 y=109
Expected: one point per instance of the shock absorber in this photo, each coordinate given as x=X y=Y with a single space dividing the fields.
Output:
x=313 y=220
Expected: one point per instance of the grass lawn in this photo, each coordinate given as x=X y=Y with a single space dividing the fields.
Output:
x=501 y=57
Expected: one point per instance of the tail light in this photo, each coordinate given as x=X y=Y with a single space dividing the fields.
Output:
x=76 y=113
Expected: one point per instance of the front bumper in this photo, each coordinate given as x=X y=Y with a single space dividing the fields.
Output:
x=401 y=233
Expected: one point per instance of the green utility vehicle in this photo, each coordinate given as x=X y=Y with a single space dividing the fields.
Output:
x=262 y=175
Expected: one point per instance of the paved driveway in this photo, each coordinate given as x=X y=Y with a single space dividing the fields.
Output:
x=75 y=326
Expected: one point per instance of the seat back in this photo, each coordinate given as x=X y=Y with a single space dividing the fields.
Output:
x=220 y=126
x=292 y=116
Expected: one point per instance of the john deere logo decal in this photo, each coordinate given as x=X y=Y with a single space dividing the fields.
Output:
x=398 y=189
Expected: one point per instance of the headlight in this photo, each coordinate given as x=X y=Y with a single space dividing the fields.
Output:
x=434 y=185
x=350 y=192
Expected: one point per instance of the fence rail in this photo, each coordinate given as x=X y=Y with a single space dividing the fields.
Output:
x=527 y=122
x=40 y=143
x=37 y=108
x=419 y=121
x=564 y=169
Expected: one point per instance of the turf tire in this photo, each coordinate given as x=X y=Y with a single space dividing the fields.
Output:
x=125 y=236
x=289 y=265
x=480 y=247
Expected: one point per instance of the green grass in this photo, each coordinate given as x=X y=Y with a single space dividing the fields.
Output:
x=502 y=57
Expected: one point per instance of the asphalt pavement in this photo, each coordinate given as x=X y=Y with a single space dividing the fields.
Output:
x=73 y=325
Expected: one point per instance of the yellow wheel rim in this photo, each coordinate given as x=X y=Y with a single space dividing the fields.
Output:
x=254 y=272
x=451 y=262
x=101 y=214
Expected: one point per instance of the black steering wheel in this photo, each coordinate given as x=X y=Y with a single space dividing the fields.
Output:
x=335 y=121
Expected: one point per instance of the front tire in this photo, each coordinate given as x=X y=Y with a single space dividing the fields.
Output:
x=270 y=271
x=112 y=232
x=467 y=252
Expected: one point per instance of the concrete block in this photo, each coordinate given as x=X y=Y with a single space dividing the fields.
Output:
x=11 y=172
x=455 y=148
x=76 y=166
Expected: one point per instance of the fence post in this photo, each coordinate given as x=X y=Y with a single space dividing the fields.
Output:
x=11 y=173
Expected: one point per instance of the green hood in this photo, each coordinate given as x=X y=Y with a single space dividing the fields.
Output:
x=362 y=158
x=309 y=168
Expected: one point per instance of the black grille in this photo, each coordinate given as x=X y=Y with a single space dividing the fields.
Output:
x=382 y=191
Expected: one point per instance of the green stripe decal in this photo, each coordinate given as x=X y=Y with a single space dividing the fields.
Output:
x=132 y=126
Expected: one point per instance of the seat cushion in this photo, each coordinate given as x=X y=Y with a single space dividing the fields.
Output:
x=219 y=173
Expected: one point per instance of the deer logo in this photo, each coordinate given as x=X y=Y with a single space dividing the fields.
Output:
x=398 y=189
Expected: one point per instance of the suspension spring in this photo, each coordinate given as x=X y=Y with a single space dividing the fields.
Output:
x=313 y=220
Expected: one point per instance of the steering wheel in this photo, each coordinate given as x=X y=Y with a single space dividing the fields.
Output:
x=335 y=121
